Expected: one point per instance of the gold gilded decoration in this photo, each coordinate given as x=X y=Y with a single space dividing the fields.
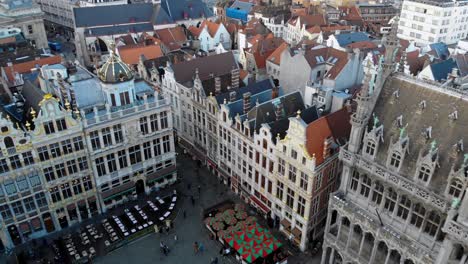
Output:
x=28 y=126
x=67 y=105
x=33 y=114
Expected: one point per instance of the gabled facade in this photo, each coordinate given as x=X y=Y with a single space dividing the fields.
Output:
x=210 y=35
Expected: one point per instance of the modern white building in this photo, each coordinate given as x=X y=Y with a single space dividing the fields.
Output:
x=433 y=21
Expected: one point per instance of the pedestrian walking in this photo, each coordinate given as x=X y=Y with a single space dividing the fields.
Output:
x=195 y=247
x=193 y=200
x=201 y=248
x=175 y=238
x=199 y=189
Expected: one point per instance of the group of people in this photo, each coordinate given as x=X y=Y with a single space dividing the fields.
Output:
x=164 y=248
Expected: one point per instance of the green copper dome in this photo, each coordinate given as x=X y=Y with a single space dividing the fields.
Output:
x=114 y=70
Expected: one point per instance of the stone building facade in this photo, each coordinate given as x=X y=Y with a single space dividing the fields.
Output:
x=401 y=198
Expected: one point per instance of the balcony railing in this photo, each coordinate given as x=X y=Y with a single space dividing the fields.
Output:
x=456 y=230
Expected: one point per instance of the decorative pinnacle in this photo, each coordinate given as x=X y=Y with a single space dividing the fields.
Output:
x=28 y=125
x=465 y=159
x=298 y=114
x=33 y=113
x=67 y=105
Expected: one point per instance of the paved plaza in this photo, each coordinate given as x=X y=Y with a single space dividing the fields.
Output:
x=190 y=229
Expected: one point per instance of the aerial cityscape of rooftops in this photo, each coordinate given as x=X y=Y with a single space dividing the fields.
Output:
x=234 y=131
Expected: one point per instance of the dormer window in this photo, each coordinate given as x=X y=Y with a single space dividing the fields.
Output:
x=61 y=124
x=49 y=128
x=455 y=189
x=424 y=173
x=395 y=160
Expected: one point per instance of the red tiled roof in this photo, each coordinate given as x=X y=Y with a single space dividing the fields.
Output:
x=131 y=55
x=362 y=45
x=275 y=57
x=243 y=73
x=335 y=125
x=263 y=48
x=171 y=37
x=212 y=28
x=308 y=20
x=25 y=67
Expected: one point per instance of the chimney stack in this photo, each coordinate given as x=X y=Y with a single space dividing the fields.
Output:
x=246 y=98
x=234 y=77
x=217 y=85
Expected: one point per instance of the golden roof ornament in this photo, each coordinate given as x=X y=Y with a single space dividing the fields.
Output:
x=33 y=113
x=28 y=126
x=67 y=105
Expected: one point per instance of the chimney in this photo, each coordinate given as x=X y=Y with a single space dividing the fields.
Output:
x=232 y=96
x=234 y=77
x=253 y=77
x=279 y=111
x=327 y=147
x=217 y=85
x=246 y=98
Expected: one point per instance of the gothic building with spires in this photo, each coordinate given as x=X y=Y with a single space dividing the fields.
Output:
x=402 y=194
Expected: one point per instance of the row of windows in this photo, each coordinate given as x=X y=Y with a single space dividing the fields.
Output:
x=112 y=162
x=16 y=162
x=57 y=149
x=390 y=200
x=28 y=204
x=20 y=184
x=65 y=169
x=153 y=123
x=67 y=190
x=104 y=138
x=51 y=126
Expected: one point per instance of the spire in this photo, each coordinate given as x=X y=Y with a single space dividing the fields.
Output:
x=403 y=62
x=391 y=43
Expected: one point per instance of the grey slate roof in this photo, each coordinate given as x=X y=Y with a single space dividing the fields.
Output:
x=281 y=126
x=186 y=9
x=445 y=132
x=253 y=88
x=119 y=29
x=113 y=14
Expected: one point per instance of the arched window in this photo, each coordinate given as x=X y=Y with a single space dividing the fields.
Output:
x=365 y=186
x=377 y=193
x=370 y=148
x=395 y=160
x=8 y=142
x=265 y=144
x=390 y=200
x=424 y=173
x=455 y=188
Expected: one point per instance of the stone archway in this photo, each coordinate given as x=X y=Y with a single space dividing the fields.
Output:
x=394 y=257
x=367 y=246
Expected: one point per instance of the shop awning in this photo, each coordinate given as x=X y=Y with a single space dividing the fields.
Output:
x=285 y=223
x=297 y=233
x=263 y=207
x=118 y=190
x=161 y=173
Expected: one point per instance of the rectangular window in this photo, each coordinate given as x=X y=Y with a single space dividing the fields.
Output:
x=124 y=98
x=77 y=189
x=55 y=194
x=122 y=156
x=290 y=198
x=34 y=180
x=113 y=102
x=106 y=137
x=293 y=154
x=49 y=174
x=41 y=200
x=111 y=163
x=49 y=128
x=377 y=193
x=157 y=147
x=28 y=158
x=279 y=190
x=43 y=153
x=22 y=183
x=82 y=163
x=95 y=142
x=304 y=181
x=66 y=191
x=390 y=200
x=60 y=170
x=61 y=124
x=71 y=166
x=5 y=212
x=18 y=208
x=118 y=135
x=67 y=147
x=315 y=204
x=166 y=144
x=281 y=166
x=55 y=150
x=88 y=185
x=292 y=173
x=147 y=150
x=301 y=206
x=164 y=121
x=30 y=29
x=100 y=166
x=355 y=181
x=144 y=125
x=135 y=154
x=154 y=122
x=15 y=162
x=78 y=143
x=4 y=166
